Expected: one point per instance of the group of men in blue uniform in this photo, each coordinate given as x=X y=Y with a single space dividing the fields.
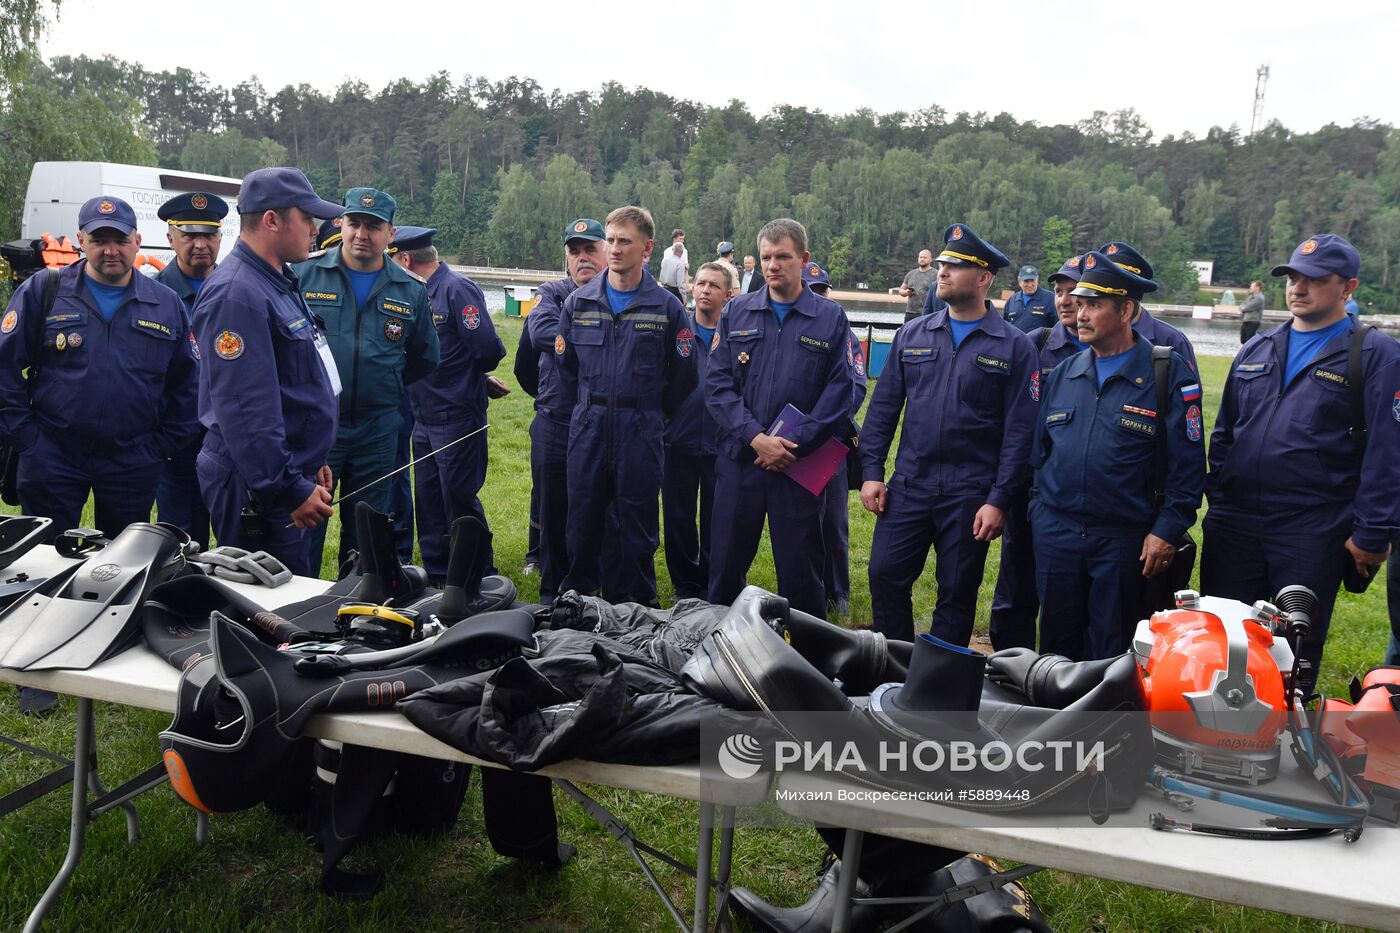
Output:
x=279 y=376
x=239 y=393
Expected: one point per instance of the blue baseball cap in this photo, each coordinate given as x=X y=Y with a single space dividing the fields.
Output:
x=102 y=212
x=813 y=274
x=275 y=189
x=1125 y=257
x=1069 y=271
x=195 y=212
x=1029 y=271
x=962 y=247
x=1100 y=276
x=407 y=239
x=1319 y=256
x=585 y=228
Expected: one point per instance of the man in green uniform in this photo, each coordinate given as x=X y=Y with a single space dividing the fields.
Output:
x=381 y=333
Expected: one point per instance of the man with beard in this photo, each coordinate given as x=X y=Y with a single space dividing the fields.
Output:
x=965 y=379
x=917 y=285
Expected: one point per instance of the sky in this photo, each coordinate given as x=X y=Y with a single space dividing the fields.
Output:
x=1185 y=66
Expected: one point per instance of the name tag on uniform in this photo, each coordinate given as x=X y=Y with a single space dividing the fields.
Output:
x=297 y=325
x=648 y=325
x=1003 y=365
x=749 y=332
x=153 y=325
x=1251 y=367
x=1059 y=417
x=1329 y=376
x=813 y=342
x=62 y=317
x=438 y=318
x=322 y=296
x=323 y=350
x=1133 y=424
x=395 y=308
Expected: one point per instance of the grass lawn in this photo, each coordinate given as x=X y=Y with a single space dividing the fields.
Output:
x=258 y=874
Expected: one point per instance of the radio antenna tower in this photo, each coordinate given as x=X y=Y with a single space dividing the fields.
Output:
x=1261 y=78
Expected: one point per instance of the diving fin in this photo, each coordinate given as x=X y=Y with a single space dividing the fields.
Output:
x=89 y=612
x=19 y=533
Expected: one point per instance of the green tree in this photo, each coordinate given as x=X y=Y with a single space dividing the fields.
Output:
x=447 y=215
x=1056 y=239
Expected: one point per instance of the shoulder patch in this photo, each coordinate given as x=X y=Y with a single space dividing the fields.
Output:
x=559 y=345
x=1193 y=423
x=194 y=345
x=10 y=322
x=1191 y=393
x=1395 y=406
x=684 y=341
x=471 y=316
x=1035 y=385
x=228 y=345
x=393 y=329
x=714 y=341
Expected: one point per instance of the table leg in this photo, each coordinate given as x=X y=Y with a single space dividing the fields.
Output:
x=846 y=885
x=77 y=828
x=726 y=863
x=704 y=860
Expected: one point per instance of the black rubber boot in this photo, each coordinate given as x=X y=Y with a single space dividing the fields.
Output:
x=384 y=577
x=816 y=914
x=466 y=567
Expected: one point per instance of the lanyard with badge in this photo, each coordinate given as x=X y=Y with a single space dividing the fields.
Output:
x=323 y=350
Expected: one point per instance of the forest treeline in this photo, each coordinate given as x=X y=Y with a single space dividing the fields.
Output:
x=499 y=166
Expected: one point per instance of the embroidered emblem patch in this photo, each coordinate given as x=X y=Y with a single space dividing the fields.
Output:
x=580 y=227
x=1191 y=393
x=1035 y=386
x=75 y=340
x=850 y=355
x=393 y=329
x=199 y=202
x=471 y=316
x=194 y=346
x=228 y=345
x=1089 y=262
x=1193 y=422
x=957 y=233
x=10 y=321
x=559 y=344
x=714 y=341
x=1112 y=248
x=684 y=341
x=1308 y=248
x=1395 y=406
x=106 y=207
x=814 y=270
x=367 y=200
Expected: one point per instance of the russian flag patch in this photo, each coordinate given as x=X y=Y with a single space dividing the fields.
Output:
x=1191 y=393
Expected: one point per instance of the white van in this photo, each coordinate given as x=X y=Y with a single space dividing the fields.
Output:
x=58 y=189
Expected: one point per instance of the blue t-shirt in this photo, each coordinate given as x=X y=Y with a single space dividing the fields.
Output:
x=962 y=328
x=108 y=297
x=362 y=283
x=780 y=308
x=196 y=284
x=1105 y=366
x=1075 y=340
x=1303 y=347
x=707 y=334
x=619 y=300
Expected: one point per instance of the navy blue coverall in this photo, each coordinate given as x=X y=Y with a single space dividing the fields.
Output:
x=758 y=367
x=836 y=509
x=1031 y=312
x=1288 y=483
x=1162 y=334
x=634 y=370
x=103 y=404
x=379 y=349
x=266 y=401
x=178 y=499
x=447 y=404
x=690 y=478
x=969 y=419
x=1093 y=500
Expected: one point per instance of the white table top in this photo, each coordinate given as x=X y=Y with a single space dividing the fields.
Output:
x=137 y=677
x=1325 y=878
